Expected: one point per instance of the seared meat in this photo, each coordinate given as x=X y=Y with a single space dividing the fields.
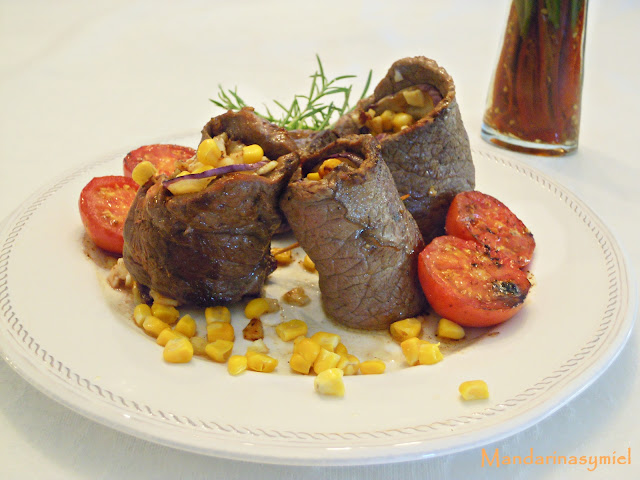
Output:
x=309 y=141
x=355 y=228
x=212 y=246
x=248 y=127
x=430 y=160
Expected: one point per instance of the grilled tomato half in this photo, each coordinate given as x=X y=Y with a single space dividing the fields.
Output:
x=465 y=285
x=477 y=216
x=104 y=204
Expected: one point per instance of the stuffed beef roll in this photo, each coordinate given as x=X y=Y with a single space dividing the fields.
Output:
x=348 y=217
x=203 y=237
x=414 y=114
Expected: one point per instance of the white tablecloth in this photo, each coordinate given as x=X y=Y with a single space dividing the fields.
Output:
x=82 y=80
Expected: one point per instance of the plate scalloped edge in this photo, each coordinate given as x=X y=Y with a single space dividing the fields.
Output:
x=619 y=312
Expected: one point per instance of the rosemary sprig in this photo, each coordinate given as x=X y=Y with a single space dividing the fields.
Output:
x=313 y=111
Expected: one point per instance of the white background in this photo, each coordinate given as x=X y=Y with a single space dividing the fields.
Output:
x=84 y=80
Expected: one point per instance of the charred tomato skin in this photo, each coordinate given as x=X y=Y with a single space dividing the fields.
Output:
x=104 y=203
x=162 y=156
x=466 y=286
x=477 y=216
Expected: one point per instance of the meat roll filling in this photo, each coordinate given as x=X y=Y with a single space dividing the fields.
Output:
x=206 y=240
x=396 y=112
x=414 y=114
x=348 y=217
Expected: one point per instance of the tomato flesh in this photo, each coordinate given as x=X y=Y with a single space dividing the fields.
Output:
x=466 y=286
x=477 y=216
x=162 y=156
x=104 y=204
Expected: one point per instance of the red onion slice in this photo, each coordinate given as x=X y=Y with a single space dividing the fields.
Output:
x=433 y=92
x=216 y=171
x=347 y=156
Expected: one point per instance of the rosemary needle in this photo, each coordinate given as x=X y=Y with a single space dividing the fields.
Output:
x=326 y=99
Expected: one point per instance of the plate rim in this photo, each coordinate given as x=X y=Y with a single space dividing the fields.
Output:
x=316 y=455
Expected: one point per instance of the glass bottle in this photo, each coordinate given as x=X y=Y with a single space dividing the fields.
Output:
x=534 y=100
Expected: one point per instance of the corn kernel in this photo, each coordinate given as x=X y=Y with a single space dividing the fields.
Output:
x=349 y=364
x=219 y=350
x=401 y=120
x=153 y=325
x=325 y=360
x=299 y=364
x=257 y=346
x=217 y=314
x=165 y=335
x=474 y=390
x=256 y=308
x=143 y=172
x=372 y=367
x=326 y=340
x=375 y=125
x=284 y=258
x=449 y=329
x=341 y=349
x=208 y=152
x=414 y=97
x=328 y=165
x=236 y=364
x=307 y=348
x=259 y=362
x=162 y=299
x=166 y=313
x=187 y=326
x=141 y=312
x=386 y=117
x=411 y=349
x=404 y=329
x=287 y=331
x=429 y=353
x=178 y=350
x=308 y=264
x=199 y=345
x=313 y=176
x=329 y=382
x=220 y=331
x=296 y=296
x=252 y=153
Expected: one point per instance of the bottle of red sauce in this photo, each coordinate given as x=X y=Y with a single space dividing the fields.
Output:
x=533 y=104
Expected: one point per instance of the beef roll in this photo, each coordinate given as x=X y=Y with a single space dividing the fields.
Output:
x=310 y=141
x=206 y=240
x=414 y=114
x=346 y=214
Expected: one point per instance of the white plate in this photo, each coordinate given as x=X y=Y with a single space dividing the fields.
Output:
x=63 y=334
